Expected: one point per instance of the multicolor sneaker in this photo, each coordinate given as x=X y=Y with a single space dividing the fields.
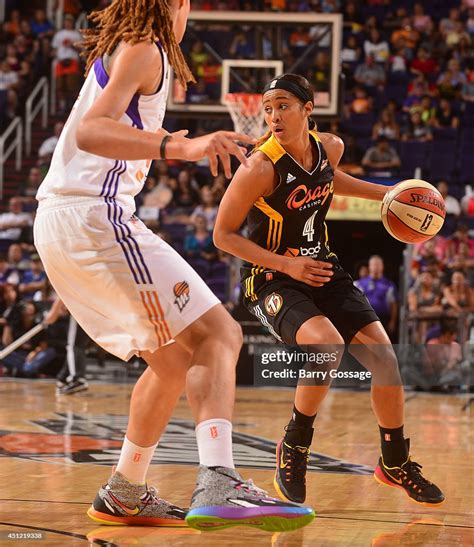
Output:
x=121 y=502
x=408 y=477
x=223 y=499
x=290 y=473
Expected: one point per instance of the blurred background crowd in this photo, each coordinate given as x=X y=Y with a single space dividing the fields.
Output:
x=408 y=102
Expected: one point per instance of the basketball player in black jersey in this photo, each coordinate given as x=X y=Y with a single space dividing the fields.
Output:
x=293 y=282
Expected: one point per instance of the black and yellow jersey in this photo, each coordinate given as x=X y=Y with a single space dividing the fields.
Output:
x=291 y=220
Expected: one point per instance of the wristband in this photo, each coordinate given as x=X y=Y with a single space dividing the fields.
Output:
x=163 y=146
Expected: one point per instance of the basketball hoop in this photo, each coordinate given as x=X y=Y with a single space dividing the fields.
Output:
x=246 y=112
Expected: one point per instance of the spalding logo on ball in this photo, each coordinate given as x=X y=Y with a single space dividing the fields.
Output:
x=413 y=211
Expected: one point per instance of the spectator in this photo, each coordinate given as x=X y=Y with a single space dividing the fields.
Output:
x=199 y=244
x=424 y=302
x=381 y=293
x=442 y=364
x=361 y=103
x=423 y=63
x=198 y=56
x=186 y=194
x=458 y=35
x=197 y=93
x=453 y=207
x=67 y=57
x=433 y=250
x=34 y=356
x=399 y=61
x=16 y=262
x=427 y=110
x=459 y=238
x=33 y=280
x=458 y=296
x=219 y=186
x=207 y=208
x=12 y=25
x=241 y=48
x=32 y=183
x=12 y=222
x=376 y=47
x=386 y=126
x=8 y=77
x=467 y=91
x=425 y=297
x=320 y=74
x=417 y=130
x=40 y=26
x=448 y=24
x=352 y=156
x=406 y=35
x=45 y=152
x=421 y=21
x=416 y=90
x=299 y=40
x=352 y=17
x=370 y=74
x=10 y=305
x=444 y=116
x=381 y=158
x=352 y=52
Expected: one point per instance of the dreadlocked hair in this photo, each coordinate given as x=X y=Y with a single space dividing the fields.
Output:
x=134 y=21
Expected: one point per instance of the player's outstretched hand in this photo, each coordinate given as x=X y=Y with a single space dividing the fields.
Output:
x=309 y=271
x=220 y=145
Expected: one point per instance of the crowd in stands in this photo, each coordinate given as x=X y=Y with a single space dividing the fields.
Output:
x=409 y=101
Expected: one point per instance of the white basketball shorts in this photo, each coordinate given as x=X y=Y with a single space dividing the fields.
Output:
x=127 y=288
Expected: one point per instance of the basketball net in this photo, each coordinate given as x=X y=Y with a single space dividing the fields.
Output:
x=246 y=112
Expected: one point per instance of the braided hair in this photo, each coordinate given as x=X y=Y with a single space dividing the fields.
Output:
x=134 y=21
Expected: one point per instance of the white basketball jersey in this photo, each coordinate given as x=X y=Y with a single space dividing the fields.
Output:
x=74 y=172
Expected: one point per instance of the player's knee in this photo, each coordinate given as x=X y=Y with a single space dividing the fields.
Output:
x=319 y=337
x=232 y=332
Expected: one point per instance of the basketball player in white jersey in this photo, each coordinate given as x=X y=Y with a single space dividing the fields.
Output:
x=130 y=291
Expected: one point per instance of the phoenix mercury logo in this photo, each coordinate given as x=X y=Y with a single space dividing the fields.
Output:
x=301 y=196
x=97 y=438
x=181 y=293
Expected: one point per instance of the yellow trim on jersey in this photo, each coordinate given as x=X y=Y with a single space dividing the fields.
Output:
x=326 y=242
x=275 y=151
x=272 y=149
x=275 y=225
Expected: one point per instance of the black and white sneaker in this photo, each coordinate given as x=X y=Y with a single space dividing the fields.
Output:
x=74 y=386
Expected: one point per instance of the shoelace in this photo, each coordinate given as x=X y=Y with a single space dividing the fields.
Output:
x=299 y=460
x=250 y=486
x=151 y=496
x=413 y=469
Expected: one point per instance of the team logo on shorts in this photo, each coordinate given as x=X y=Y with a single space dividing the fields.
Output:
x=181 y=292
x=273 y=303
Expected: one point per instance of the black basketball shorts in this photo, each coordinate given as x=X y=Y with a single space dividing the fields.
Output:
x=284 y=304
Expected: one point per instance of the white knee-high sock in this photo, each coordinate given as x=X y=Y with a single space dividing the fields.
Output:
x=134 y=461
x=214 y=440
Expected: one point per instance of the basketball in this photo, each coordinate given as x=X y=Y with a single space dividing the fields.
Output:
x=413 y=211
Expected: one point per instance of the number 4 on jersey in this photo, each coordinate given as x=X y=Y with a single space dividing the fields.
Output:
x=308 y=230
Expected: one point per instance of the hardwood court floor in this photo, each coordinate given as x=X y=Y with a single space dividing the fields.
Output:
x=56 y=451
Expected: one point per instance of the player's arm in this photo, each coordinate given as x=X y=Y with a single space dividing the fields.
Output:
x=251 y=182
x=344 y=184
x=57 y=309
x=100 y=131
